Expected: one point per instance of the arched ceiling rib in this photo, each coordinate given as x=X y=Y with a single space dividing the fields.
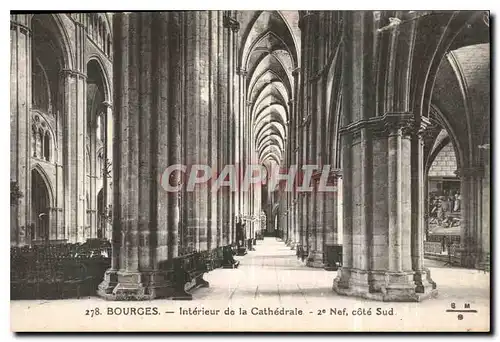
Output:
x=269 y=72
x=270 y=138
x=270 y=150
x=269 y=110
x=271 y=21
x=273 y=88
x=269 y=101
x=269 y=127
x=269 y=55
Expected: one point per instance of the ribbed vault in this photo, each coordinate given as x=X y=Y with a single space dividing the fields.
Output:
x=269 y=56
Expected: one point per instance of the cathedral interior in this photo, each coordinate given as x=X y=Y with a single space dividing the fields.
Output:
x=397 y=103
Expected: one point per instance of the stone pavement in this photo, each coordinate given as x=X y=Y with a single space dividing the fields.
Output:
x=272 y=277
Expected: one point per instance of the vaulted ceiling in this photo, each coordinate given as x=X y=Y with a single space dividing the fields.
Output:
x=269 y=54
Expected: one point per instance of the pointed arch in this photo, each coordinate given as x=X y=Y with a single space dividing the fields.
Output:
x=55 y=24
x=46 y=181
x=105 y=77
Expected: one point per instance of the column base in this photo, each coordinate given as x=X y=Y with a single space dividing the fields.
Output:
x=385 y=286
x=292 y=245
x=315 y=259
x=129 y=286
x=424 y=282
x=181 y=290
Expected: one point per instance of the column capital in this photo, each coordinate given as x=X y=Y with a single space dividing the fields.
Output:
x=21 y=22
x=296 y=71
x=413 y=128
x=316 y=176
x=429 y=134
x=72 y=73
x=332 y=175
x=241 y=72
x=336 y=173
x=304 y=19
x=107 y=105
x=22 y=28
x=231 y=23
x=389 y=124
x=78 y=19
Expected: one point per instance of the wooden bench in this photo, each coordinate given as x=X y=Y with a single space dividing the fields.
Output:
x=305 y=253
x=250 y=245
x=298 y=250
x=188 y=271
x=332 y=257
x=216 y=258
x=228 y=260
x=55 y=271
x=301 y=252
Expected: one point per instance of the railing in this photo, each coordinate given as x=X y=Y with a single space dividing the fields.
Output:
x=450 y=253
x=433 y=247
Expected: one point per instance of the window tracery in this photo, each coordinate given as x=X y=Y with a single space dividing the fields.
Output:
x=97 y=30
x=41 y=138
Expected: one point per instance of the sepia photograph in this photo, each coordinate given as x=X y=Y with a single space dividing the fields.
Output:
x=250 y=171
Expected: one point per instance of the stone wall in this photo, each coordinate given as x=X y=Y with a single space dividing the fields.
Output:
x=445 y=163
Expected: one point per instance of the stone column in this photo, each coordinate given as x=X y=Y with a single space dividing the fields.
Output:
x=309 y=222
x=331 y=226
x=224 y=142
x=52 y=223
x=75 y=113
x=303 y=115
x=213 y=132
x=295 y=125
x=485 y=214
x=173 y=84
x=379 y=241
x=196 y=126
x=231 y=151
x=422 y=278
x=20 y=124
x=231 y=138
x=473 y=235
x=106 y=171
x=315 y=258
x=91 y=142
x=147 y=101
x=381 y=163
x=73 y=87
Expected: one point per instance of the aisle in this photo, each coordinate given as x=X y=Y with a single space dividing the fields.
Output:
x=271 y=272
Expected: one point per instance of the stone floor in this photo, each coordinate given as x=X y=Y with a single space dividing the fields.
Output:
x=272 y=277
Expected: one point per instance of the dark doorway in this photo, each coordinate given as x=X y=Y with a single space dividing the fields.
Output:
x=39 y=207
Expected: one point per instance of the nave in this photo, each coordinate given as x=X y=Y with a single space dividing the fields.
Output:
x=272 y=277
